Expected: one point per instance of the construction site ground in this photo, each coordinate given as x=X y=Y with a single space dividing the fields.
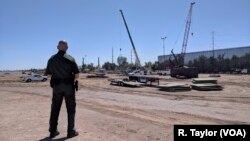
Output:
x=113 y=113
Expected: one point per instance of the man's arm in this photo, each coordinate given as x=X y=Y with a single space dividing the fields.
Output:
x=47 y=71
x=76 y=81
x=76 y=76
x=75 y=71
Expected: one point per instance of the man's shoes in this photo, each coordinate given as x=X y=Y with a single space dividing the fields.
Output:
x=54 y=134
x=72 y=134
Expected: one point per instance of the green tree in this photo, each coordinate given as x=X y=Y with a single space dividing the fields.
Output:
x=122 y=63
x=109 y=66
x=90 y=66
x=148 y=65
x=155 y=66
x=234 y=62
x=202 y=63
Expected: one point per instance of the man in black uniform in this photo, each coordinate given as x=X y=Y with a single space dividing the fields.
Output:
x=64 y=73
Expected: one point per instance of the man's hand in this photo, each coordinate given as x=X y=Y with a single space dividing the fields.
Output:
x=77 y=76
x=76 y=85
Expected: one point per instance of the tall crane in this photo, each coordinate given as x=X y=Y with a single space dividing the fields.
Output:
x=186 y=34
x=137 y=60
x=178 y=69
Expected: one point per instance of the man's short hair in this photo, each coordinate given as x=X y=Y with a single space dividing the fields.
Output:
x=62 y=42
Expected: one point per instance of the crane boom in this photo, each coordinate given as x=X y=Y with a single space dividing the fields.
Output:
x=179 y=69
x=137 y=60
x=186 y=34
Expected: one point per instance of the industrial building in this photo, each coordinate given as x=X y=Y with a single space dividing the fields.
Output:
x=228 y=53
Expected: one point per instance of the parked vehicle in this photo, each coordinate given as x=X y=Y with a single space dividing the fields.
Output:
x=236 y=71
x=184 y=72
x=34 y=77
x=137 y=72
x=101 y=72
x=163 y=72
x=245 y=71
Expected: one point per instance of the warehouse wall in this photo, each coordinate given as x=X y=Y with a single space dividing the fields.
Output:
x=228 y=53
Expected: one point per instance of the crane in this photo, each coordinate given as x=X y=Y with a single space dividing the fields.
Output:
x=137 y=60
x=180 y=60
x=186 y=34
x=178 y=69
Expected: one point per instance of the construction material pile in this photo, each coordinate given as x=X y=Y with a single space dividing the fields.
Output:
x=125 y=83
x=206 y=84
x=214 y=75
x=204 y=80
x=96 y=76
x=207 y=87
x=175 y=87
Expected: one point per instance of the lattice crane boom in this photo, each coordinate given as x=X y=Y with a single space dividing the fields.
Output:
x=186 y=34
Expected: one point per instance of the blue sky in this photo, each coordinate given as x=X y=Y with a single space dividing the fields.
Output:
x=30 y=29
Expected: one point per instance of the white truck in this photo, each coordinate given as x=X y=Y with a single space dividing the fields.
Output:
x=136 y=72
x=34 y=77
x=163 y=72
x=245 y=71
x=101 y=72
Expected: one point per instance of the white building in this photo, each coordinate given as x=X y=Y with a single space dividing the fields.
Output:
x=228 y=53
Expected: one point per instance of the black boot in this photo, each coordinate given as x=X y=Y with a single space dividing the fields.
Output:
x=54 y=134
x=72 y=134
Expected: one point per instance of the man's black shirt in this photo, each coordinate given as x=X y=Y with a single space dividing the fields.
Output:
x=62 y=66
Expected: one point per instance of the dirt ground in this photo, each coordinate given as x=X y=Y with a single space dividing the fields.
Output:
x=111 y=113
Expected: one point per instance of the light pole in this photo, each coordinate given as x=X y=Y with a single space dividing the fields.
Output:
x=82 y=61
x=163 y=41
x=85 y=60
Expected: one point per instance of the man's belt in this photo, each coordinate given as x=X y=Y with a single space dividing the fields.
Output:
x=56 y=81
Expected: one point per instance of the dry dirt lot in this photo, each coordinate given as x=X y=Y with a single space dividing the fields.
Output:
x=112 y=113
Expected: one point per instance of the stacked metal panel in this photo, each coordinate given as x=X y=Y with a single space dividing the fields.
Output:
x=206 y=84
x=175 y=87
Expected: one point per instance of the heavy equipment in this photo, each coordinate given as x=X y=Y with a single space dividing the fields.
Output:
x=177 y=68
x=137 y=60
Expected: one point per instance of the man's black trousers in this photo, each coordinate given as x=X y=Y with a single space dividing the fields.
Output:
x=67 y=92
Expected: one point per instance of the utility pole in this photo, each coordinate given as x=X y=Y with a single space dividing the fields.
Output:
x=85 y=59
x=163 y=41
x=83 y=63
x=98 y=63
x=112 y=55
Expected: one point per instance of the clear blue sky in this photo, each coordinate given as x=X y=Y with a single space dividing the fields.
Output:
x=30 y=29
